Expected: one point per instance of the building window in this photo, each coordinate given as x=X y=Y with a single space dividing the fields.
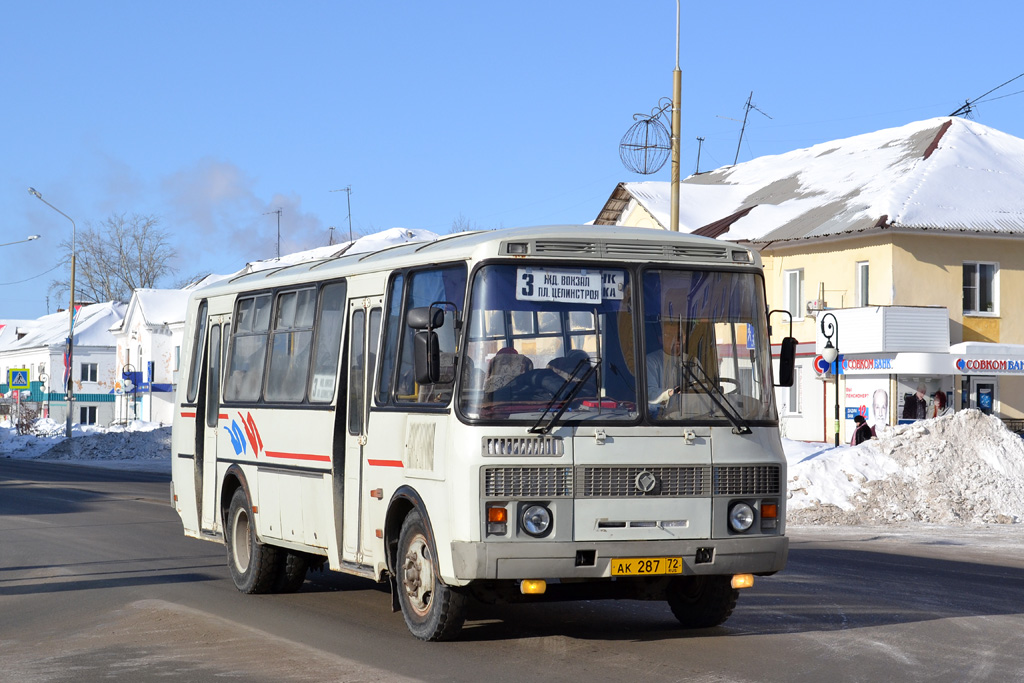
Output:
x=177 y=358
x=792 y=394
x=980 y=288
x=794 y=292
x=87 y=415
x=88 y=373
x=862 y=283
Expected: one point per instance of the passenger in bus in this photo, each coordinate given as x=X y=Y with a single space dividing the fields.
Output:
x=506 y=365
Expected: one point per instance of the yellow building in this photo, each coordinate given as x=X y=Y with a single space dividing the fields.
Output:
x=920 y=224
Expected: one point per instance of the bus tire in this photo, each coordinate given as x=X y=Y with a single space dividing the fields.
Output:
x=432 y=610
x=291 y=571
x=702 y=601
x=253 y=565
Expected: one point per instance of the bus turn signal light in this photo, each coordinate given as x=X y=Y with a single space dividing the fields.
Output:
x=497 y=515
x=742 y=581
x=769 y=510
x=533 y=586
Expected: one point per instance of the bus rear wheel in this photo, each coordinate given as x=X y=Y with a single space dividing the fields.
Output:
x=702 y=601
x=291 y=571
x=253 y=565
x=432 y=610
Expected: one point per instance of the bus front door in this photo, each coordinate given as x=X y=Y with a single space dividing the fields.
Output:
x=212 y=367
x=363 y=336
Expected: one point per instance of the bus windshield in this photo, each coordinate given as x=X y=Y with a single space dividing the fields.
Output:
x=569 y=341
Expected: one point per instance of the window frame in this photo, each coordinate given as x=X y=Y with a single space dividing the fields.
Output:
x=88 y=372
x=863 y=283
x=787 y=287
x=975 y=286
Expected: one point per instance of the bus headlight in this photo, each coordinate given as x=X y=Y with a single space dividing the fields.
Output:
x=741 y=517
x=536 y=520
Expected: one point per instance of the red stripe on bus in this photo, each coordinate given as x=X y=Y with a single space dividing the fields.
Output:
x=222 y=416
x=299 y=456
x=188 y=414
x=385 y=463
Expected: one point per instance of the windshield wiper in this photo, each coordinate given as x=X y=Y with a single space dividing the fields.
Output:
x=720 y=400
x=591 y=369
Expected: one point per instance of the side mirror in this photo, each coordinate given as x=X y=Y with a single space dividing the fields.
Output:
x=427 y=355
x=787 y=361
x=425 y=318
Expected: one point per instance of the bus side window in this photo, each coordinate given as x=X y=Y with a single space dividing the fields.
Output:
x=197 y=345
x=427 y=287
x=328 y=343
x=248 y=349
x=420 y=288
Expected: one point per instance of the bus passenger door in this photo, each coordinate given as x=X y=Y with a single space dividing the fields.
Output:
x=363 y=335
x=212 y=368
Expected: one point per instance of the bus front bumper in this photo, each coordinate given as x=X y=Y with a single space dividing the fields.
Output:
x=738 y=555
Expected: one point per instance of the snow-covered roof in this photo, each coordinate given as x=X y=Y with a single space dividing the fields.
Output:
x=945 y=174
x=156 y=306
x=92 y=328
x=365 y=244
x=11 y=328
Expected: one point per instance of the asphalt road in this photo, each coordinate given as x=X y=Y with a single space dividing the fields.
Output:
x=97 y=582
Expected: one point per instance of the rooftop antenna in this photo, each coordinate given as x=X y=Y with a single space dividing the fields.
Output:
x=700 y=143
x=968 y=106
x=746 y=112
x=278 y=212
x=348 y=190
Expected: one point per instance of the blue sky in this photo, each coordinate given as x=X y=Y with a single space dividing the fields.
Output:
x=209 y=115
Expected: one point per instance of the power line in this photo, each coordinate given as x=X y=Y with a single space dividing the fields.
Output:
x=4 y=284
x=967 y=107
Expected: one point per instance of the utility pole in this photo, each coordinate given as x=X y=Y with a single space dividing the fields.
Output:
x=677 y=89
x=700 y=143
x=348 y=190
x=746 y=111
x=330 y=240
x=278 y=212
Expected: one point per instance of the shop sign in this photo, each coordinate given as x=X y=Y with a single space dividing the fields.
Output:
x=969 y=365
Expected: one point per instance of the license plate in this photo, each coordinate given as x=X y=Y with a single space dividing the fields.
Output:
x=646 y=566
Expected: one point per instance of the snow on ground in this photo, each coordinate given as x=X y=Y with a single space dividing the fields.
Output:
x=135 y=446
x=963 y=469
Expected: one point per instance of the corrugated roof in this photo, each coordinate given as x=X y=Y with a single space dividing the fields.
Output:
x=944 y=174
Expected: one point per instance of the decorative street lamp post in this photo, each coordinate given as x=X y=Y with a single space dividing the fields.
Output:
x=831 y=355
x=70 y=387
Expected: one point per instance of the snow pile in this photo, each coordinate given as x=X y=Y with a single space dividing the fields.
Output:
x=965 y=468
x=136 y=446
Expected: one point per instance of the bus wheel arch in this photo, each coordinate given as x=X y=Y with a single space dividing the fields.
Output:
x=234 y=479
x=403 y=502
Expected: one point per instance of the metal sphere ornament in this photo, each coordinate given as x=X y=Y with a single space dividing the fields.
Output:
x=647 y=144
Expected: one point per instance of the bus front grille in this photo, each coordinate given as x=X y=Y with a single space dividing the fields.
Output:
x=617 y=482
x=528 y=482
x=747 y=480
x=523 y=445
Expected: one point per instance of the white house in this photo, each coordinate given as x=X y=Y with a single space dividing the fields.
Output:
x=148 y=342
x=38 y=346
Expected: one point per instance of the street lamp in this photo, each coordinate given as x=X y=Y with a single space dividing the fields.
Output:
x=71 y=316
x=27 y=239
x=831 y=355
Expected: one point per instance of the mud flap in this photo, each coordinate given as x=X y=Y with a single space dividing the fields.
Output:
x=395 y=606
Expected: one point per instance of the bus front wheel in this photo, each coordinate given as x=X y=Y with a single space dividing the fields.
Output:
x=432 y=610
x=253 y=565
x=702 y=601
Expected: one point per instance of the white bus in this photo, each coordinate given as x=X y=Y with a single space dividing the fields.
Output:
x=527 y=414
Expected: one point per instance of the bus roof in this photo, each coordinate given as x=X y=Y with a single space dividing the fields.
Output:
x=553 y=241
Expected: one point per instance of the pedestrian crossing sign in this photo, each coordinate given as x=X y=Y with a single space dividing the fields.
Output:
x=17 y=378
